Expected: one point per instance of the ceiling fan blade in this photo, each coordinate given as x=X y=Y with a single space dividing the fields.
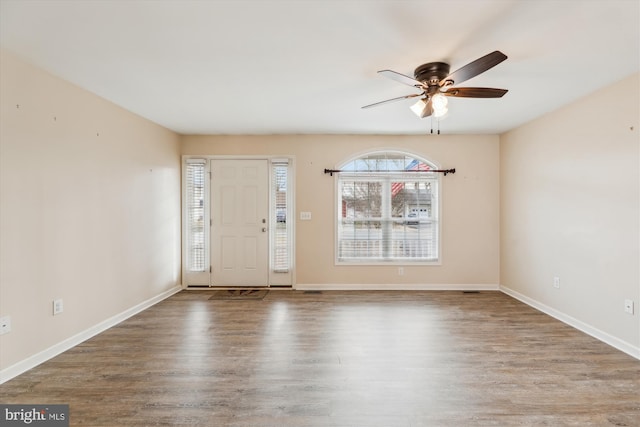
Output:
x=401 y=78
x=375 y=104
x=475 y=92
x=474 y=68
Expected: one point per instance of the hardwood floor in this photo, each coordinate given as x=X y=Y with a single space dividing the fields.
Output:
x=339 y=359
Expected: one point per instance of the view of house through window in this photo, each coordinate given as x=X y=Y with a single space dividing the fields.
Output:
x=387 y=209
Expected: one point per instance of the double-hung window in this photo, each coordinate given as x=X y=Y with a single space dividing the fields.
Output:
x=387 y=210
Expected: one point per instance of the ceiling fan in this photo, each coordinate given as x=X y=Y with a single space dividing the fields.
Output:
x=436 y=84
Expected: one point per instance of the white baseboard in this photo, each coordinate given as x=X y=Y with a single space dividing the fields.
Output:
x=51 y=352
x=395 y=287
x=573 y=322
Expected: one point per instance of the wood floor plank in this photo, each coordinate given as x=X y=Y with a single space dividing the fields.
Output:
x=352 y=358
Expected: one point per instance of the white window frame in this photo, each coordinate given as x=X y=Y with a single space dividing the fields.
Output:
x=386 y=179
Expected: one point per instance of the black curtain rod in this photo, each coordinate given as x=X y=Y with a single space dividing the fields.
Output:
x=444 y=171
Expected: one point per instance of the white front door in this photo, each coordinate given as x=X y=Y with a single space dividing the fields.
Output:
x=239 y=222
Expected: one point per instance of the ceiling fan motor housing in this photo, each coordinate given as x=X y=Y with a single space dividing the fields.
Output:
x=431 y=73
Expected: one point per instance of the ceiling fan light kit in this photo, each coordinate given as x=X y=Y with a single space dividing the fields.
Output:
x=419 y=107
x=439 y=105
x=436 y=84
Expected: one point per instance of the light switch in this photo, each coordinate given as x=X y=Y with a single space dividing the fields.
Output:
x=305 y=216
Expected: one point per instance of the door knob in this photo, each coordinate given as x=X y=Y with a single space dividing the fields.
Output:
x=264 y=229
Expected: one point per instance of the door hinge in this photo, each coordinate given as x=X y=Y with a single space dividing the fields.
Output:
x=209 y=269
x=210 y=222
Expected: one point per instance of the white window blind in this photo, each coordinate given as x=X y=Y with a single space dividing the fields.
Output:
x=387 y=210
x=280 y=202
x=195 y=210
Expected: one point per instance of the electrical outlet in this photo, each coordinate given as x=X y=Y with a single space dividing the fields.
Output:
x=628 y=306
x=400 y=271
x=556 y=282
x=5 y=325
x=58 y=307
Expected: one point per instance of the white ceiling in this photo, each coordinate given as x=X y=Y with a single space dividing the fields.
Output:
x=307 y=66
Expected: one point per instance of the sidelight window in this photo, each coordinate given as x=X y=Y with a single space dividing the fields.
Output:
x=281 y=225
x=196 y=245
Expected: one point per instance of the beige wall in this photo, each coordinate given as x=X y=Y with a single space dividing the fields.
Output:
x=89 y=209
x=570 y=208
x=470 y=198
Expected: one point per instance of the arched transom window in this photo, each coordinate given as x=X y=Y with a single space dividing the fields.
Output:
x=387 y=210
